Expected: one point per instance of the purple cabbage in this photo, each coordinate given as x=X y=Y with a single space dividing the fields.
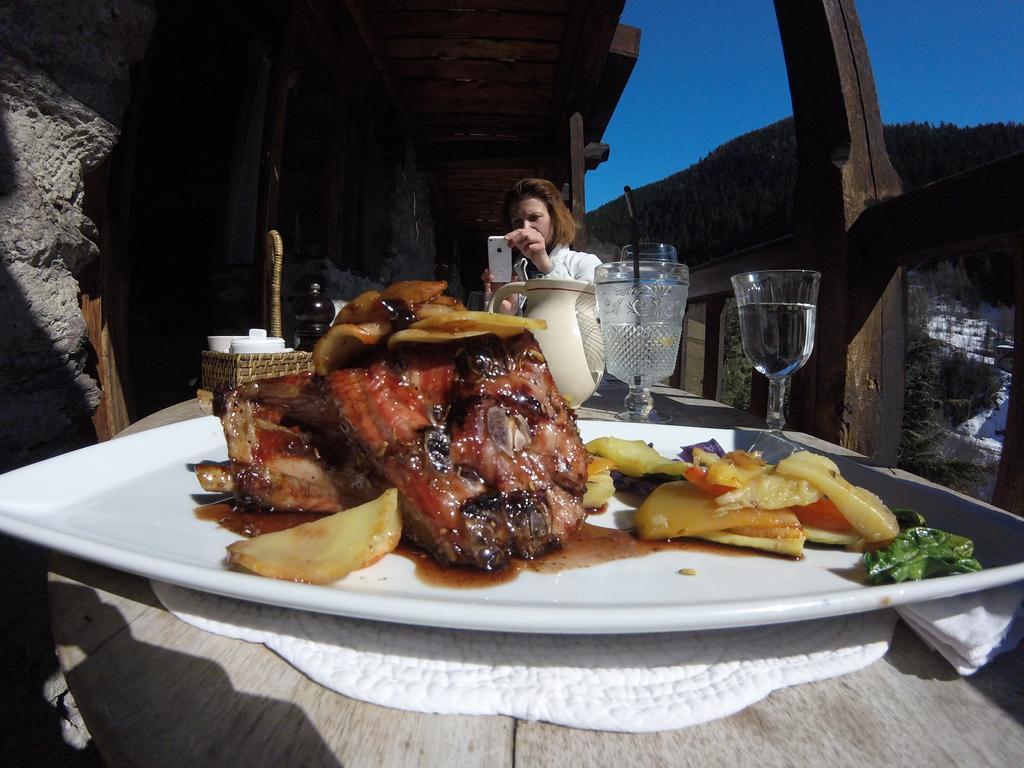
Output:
x=639 y=486
x=711 y=446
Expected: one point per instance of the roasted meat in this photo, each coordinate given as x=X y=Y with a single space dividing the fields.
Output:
x=483 y=450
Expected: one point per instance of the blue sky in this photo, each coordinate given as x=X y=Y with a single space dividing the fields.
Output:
x=711 y=70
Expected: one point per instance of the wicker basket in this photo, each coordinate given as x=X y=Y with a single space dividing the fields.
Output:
x=225 y=368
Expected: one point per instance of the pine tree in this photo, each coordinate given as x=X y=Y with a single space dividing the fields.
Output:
x=923 y=435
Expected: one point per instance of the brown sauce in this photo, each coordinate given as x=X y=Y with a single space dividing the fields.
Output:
x=589 y=545
x=250 y=523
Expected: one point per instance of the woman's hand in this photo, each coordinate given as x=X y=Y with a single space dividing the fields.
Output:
x=506 y=307
x=531 y=244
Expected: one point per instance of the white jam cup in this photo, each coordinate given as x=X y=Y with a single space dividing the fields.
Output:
x=220 y=343
x=256 y=342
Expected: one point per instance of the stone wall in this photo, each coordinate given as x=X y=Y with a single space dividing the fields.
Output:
x=64 y=85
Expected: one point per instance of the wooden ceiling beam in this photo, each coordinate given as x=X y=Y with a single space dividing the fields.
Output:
x=470 y=24
x=482 y=154
x=618 y=67
x=445 y=49
x=589 y=32
x=479 y=93
x=378 y=57
x=519 y=6
x=492 y=71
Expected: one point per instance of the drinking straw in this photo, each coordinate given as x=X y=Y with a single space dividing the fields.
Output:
x=631 y=207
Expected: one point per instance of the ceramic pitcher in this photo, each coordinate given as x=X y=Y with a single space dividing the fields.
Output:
x=572 y=342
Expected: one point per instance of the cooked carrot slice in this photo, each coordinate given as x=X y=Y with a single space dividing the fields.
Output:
x=698 y=476
x=823 y=514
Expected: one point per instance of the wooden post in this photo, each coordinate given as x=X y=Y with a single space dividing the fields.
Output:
x=851 y=390
x=1009 y=489
x=689 y=374
x=759 y=397
x=274 y=122
x=713 y=338
x=103 y=299
x=577 y=173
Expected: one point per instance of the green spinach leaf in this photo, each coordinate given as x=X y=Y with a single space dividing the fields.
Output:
x=908 y=518
x=920 y=553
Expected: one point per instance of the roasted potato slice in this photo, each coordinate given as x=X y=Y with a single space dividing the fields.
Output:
x=599 y=464
x=735 y=469
x=791 y=546
x=428 y=336
x=414 y=292
x=832 y=538
x=772 y=491
x=378 y=306
x=324 y=550
x=435 y=308
x=365 y=306
x=680 y=509
x=485 y=322
x=600 y=488
x=443 y=327
x=635 y=457
x=859 y=506
x=343 y=342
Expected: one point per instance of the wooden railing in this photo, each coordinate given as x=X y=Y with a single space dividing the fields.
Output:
x=979 y=212
x=852 y=223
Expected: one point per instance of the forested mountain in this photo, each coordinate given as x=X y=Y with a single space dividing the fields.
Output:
x=741 y=194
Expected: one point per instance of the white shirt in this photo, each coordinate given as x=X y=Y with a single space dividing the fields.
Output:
x=566 y=265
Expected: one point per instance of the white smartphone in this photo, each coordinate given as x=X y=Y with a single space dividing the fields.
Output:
x=499 y=259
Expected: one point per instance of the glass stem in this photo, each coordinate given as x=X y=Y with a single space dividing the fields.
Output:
x=776 y=396
x=639 y=403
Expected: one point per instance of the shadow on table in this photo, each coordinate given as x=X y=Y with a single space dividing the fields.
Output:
x=991 y=682
x=31 y=725
x=911 y=658
x=683 y=409
x=199 y=725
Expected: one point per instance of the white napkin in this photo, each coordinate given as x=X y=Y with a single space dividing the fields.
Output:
x=970 y=630
x=632 y=683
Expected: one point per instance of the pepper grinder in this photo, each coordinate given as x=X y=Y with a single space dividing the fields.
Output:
x=314 y=314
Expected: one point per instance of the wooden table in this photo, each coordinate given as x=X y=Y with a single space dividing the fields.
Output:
x=155 y=691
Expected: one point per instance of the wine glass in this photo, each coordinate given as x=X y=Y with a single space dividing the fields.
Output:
x=640 y=308
x=477 y=301
x=651 y=252
x=778 y=310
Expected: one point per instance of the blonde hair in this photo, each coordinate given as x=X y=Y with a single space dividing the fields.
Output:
x=563 y=225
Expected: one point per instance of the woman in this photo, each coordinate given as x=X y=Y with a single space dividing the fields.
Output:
x=542 y=229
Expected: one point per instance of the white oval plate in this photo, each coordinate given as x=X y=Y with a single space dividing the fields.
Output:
x=129 y=503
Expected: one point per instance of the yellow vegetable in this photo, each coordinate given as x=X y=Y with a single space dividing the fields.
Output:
x=600 y=488
x=442 y=327
x=833 y=538
x=486 y=322
x=635 y=457
x=792 y=547
x=680 y=509
x=771 y=491
x=859 y=506
x=325 y=550
x=599 y=464
x=343 y=342
x=735 y=469
x=429 y=336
